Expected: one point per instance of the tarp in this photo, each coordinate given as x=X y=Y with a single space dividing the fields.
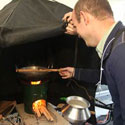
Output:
x=23 y=21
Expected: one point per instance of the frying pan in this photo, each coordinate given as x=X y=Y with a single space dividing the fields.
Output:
x=34 y=73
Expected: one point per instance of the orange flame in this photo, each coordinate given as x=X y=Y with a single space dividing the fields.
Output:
x=38 y=104
x=39 y=108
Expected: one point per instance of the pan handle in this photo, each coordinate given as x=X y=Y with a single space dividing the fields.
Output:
x=37 y=70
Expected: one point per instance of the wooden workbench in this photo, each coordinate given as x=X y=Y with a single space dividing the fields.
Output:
x=30 y=119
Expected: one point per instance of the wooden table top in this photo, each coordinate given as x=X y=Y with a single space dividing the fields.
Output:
x=30 y=119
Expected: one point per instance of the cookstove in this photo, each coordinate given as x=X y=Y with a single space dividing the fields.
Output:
x=35 y=94
x=35 y=82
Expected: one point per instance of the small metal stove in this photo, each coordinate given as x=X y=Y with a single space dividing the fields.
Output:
x=34 y=91
x=35 y=83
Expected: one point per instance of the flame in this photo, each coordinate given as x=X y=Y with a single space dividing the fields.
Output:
x=39 y=108
x=35 y=82
x=38 y=104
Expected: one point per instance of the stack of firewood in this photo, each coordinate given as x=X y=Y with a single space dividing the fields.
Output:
x=39 y=108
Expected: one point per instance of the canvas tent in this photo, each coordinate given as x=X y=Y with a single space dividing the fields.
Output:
x=23 y=21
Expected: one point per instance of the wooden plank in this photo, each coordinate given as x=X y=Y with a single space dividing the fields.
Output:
x=30 y=119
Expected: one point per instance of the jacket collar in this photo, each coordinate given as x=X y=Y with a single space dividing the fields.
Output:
x=118 y=26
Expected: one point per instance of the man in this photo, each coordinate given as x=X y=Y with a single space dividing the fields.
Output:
x=93 y=21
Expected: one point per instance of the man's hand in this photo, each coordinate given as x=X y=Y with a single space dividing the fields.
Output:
x=67 y=17
x=67 y=72
x=70 y=29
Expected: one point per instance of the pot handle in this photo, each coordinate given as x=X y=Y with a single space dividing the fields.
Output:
x=61 y=108
x=65 y=107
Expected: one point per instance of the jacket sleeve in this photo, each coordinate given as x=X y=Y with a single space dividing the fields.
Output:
x=117 y=71
x=87 y=75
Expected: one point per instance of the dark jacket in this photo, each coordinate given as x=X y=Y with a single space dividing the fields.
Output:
x=113 y=73
x=114 y=69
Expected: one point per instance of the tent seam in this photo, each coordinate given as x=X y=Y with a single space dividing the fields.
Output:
x=12 y=12
x=48 y=9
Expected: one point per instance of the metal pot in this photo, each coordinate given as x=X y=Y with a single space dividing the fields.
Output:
x=76 y=111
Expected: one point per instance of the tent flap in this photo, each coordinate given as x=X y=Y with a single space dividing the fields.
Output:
x=24 y=21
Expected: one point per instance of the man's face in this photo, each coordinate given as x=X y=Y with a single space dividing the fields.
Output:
x=83 y=28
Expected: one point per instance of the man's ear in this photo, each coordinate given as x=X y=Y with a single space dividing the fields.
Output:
x=84 y=16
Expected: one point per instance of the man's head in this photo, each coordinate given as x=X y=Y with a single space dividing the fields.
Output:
x=88 y=15
x=100 y=9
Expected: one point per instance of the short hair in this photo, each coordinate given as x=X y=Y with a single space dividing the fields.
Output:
x=100 y=9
